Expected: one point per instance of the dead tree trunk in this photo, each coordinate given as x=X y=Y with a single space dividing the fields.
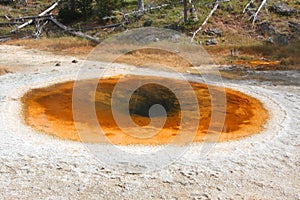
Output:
x=257 y=12
x=205 y=21
x=185 y=10
x=75 y=33
x=30 y=17
x=247 y=6
x=141 y=6
x=39 y=27
x=216 y=4
x=72 y=6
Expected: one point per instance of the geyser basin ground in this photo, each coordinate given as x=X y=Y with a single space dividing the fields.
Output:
x=264 y=165
x=49 y=109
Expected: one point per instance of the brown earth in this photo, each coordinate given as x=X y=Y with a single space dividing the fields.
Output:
x=219 y=54
x=148 y=55
x=4 y=70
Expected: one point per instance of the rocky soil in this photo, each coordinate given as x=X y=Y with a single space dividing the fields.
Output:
x=34 y=165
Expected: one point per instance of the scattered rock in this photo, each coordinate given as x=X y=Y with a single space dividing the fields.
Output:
x=205 y=196
x=214 y=32
x=176 y=37
x=264 y=59
x=148 y=23
x=146 y=37
x=173 y=26
x=229 y=8
x=211 y=42
x=282 y=39
x=266 y=29
x=74 y=61
x=57 y=64
x=295 y=27
x=270 y=40
x=282 y=9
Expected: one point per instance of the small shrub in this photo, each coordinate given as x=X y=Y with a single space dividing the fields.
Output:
x=106 y=7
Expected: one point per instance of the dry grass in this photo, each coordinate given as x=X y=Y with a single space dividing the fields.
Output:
x=288 y=56
x=282 y=56
x=62 y=46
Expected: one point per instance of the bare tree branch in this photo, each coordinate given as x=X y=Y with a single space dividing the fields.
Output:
x=30 y=17
x=257 y=12
x=39 y=27
x=216 y=4
x=141 y=6
x=207 y=18
x=247 y=6
x=41 y=14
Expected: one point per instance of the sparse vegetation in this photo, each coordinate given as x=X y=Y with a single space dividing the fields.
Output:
x=61 y=45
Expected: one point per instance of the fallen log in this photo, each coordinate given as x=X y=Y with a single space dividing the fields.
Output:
x=9 y=23
x=5 y=39
x=73 y=32
x=8 y=17
x=41 y=14
x=103 y=27
x=136 y=12
x=31 y=17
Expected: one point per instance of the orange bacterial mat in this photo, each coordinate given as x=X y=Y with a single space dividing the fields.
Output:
x=50 y=110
